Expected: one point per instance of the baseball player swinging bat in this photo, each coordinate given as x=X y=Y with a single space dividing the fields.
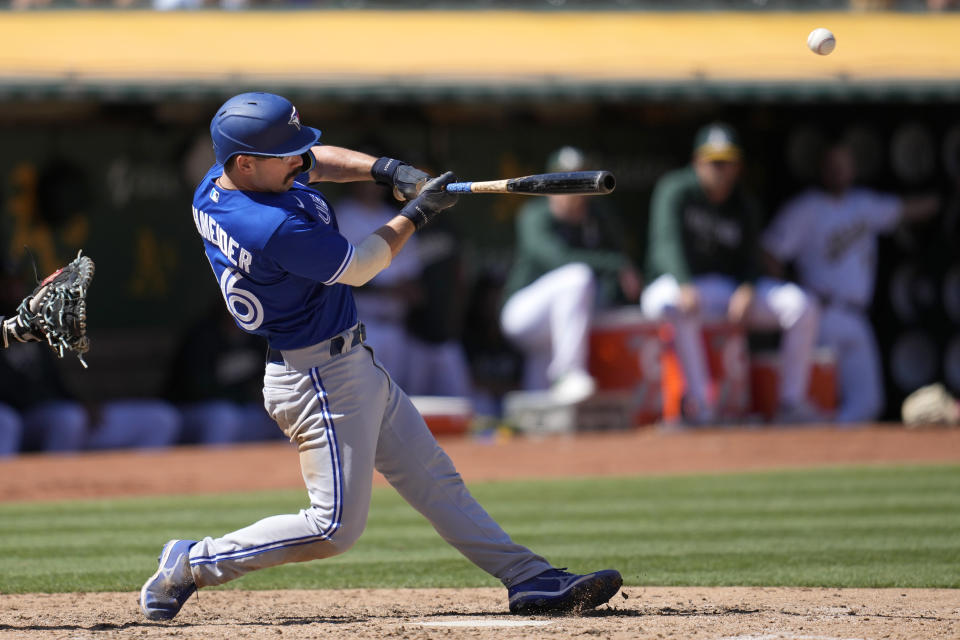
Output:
x=564 y=183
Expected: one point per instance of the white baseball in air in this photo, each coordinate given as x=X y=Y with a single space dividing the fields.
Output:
x=821 y=41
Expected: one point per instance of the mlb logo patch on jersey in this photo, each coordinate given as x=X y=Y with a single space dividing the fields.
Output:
x=214 y=195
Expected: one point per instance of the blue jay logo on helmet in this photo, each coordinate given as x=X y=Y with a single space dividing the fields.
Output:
x=259 y=124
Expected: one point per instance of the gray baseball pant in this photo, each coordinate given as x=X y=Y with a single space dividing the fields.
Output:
x=347 y=418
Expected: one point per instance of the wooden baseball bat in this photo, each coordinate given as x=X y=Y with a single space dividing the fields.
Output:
x=564 y=183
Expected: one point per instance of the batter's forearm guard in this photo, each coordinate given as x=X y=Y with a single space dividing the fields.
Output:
x=384 y=169
x=405 y=179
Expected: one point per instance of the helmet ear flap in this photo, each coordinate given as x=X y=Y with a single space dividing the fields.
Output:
x=309 y=161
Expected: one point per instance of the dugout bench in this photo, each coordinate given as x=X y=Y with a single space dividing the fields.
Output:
x=640 y=381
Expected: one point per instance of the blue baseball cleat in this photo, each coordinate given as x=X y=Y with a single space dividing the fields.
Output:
x=556 y=591
x=165 y=591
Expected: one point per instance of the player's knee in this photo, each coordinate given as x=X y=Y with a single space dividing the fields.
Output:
x=796 y=308
x=578 y=274
x=579 y=279
x=337 y=536
x=333 y=545
x=652 y=308
x=661 y=298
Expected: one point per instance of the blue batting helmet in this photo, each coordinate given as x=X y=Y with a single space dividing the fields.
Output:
x=260 y=124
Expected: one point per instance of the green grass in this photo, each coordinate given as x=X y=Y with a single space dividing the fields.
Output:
x=844 y=527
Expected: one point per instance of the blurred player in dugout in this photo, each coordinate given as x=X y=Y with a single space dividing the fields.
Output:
x=385 y=301
x=829 y=233
x=412 y=309
x=569 y=259
x=703 y=264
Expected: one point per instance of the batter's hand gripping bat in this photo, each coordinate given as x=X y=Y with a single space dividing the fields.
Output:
x=565 y=183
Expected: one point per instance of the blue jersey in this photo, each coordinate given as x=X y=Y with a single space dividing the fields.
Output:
x=276 y=257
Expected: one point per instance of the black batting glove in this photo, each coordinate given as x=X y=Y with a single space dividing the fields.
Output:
x=433 y=199
x=405 y=179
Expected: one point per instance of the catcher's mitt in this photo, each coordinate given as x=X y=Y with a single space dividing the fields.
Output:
x=56 y=310
x=930 y=405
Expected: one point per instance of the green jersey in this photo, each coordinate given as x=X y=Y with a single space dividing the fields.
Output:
x=691 y=236
x=545 y=243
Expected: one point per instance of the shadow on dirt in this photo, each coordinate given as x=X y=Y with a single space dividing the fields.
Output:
x=73 y=627
x=705 y=611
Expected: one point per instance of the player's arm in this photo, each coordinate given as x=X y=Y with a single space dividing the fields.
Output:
x=786 y=236
x=743 y=296
x=376 y=251
x=919 y=208
x=538 y=239
x=884 y=211
x=55 y=311
x=665 y=241
x=11 y=330
x=338 y=164
x=667 y=253
x=777 y=248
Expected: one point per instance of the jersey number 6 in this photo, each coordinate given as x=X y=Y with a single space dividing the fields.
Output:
x=243 y=305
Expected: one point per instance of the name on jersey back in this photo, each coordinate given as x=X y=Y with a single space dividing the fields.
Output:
x=215 y=234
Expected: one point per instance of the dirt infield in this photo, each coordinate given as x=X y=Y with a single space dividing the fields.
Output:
x=207 y=470
x=647 y=613
x=638 y=612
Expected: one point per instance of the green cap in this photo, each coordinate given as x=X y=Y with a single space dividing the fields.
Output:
x=717 y=141
x=566 y=159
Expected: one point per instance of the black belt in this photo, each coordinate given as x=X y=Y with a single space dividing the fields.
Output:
x=338 y=344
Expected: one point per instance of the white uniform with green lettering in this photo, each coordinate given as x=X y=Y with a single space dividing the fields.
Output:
x=833 y=243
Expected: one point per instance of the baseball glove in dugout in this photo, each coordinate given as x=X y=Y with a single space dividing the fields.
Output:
x=56 y=311
x=930 y=405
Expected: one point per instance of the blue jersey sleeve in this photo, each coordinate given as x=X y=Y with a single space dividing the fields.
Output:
x=310 y=249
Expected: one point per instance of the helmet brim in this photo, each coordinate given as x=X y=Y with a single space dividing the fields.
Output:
x=306 y=139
